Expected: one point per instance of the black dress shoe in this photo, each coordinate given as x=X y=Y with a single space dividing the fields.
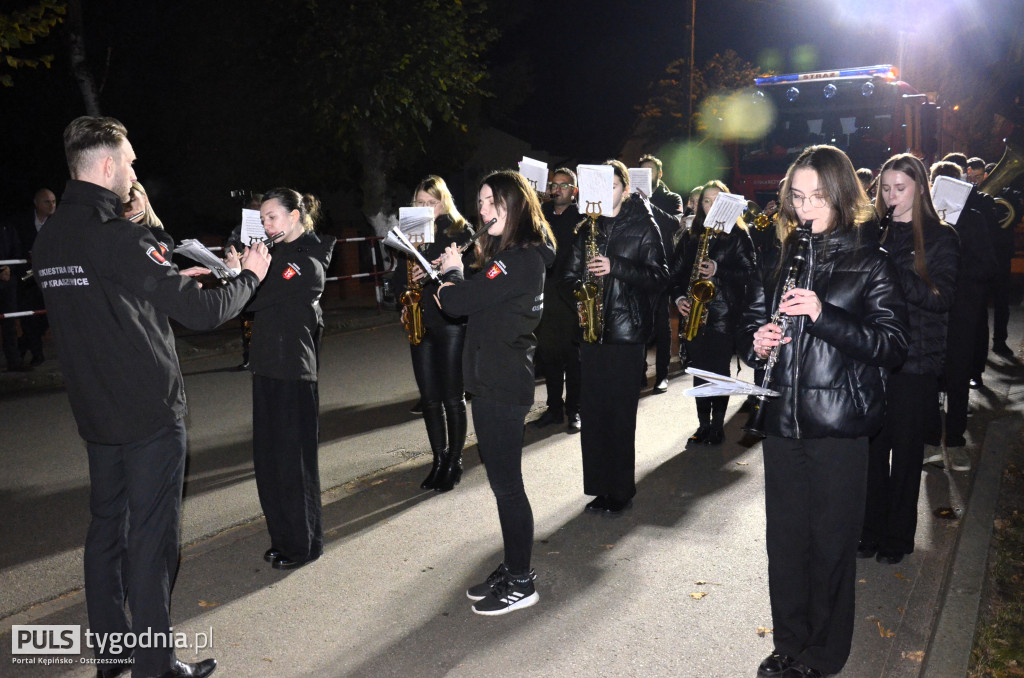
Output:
x=114 y=671
x=889 y=557
x=1000 y=348
x=715 y=436
x=38 y=359
x=550 y=416
x=798 y=670
x=614 y=507
x=271 y=554
x=700 y=436
x=598 y=504
x=774 y=664
x=866 y=549
x=198 y=670
x=284 y=563
x=575 y=426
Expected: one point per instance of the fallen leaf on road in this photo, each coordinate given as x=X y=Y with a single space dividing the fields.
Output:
x=884 y=632
x=206 y=603
x=607 y=546
x=743 y=463
x=899 y=575
x=698 y=595
x=900 y=608
x=917 y=656
x=699 y=582
x=761 y=631
x=862 y=581
x=999 y=523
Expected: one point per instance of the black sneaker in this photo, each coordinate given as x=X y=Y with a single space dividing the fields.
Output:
x=480 y=591
x=509 y=594
x=417 y=408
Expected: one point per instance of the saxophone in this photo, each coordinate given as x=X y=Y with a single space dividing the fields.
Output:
x=699 y=291
x=412 y=318
x=590 y=294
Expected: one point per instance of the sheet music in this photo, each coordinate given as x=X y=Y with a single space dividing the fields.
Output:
x=252 y=227
x=720 y=384
x=199 y=253
x=726 y=211
x=949 y=197
x=596 y=184
x=396 y=240
x=535 y=172
x=641 y=179
x=417 y=223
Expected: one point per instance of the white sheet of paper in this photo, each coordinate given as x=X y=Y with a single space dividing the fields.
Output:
x=535 y=172
x=417 y=223
x=640 y=179
x=395 y=239
x=949 y=197
x=199 y=253
x=252 y=229
x=721 y=384
x=727 y=209
x=596 y=183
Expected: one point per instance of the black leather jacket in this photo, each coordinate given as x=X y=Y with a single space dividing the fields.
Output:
x=831 y=376
x=733 y=254
x=632 y=242
x=927 y=312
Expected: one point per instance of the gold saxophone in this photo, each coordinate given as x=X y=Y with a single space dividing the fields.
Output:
x=412 y=318
x=700 y=291
x=590 y=294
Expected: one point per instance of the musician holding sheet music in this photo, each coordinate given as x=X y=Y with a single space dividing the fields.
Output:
x=729 y=265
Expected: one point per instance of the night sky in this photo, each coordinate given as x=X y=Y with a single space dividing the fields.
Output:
x=567 y=77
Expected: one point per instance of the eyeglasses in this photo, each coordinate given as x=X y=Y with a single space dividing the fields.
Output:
x=817 y=201
x=553 y=186
x=432 y=203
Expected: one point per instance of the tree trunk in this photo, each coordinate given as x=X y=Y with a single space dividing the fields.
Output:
x=376 y=166
x=79 y=64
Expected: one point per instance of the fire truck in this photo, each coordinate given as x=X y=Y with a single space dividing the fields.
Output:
x=868 y=112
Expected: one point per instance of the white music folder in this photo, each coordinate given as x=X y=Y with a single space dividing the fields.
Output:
x=720 y=384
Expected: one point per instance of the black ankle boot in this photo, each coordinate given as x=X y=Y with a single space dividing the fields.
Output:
x=428 y=482
x=450 y=474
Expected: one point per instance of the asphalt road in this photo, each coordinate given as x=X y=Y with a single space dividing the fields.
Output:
x=676 y=587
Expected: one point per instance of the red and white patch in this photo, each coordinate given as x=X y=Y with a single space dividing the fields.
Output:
x=163 y=248
x=497 y=269
x=157 y=257
x=291 y=271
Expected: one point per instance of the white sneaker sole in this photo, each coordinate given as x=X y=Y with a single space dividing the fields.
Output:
x=518 y=605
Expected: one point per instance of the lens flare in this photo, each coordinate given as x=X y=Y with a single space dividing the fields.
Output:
x=737 y=116
x=803 y=58
x=689 y=164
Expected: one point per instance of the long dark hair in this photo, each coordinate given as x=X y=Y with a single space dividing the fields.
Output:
x=525 y=225
x=924 y=210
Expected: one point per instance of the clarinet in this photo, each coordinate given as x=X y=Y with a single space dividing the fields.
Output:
x=797 y=268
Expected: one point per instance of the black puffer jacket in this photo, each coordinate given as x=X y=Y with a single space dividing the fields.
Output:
x=632 y=242
x=927 y=311
x=830 y=376
x=733 y=254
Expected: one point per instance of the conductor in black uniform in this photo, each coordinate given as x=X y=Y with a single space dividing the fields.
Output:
x=110 y=293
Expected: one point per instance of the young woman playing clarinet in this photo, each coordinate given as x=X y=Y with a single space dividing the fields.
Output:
x=927 y=255
x=503 y=304
x=846 y=320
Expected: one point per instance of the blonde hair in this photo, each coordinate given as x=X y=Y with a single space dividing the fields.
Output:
x=149 y=217
x=434 y=186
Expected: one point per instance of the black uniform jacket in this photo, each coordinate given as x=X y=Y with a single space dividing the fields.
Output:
x=432 y=315
x=831 y=375
x=632 y=242
x=667 y=208
x=560 y=322
x=733 y=254
x=110 y=288
x=288 y=319
x=927 y=311
x=503 y=302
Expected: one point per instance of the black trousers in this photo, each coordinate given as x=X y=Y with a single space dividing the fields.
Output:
x=961 y=338
x=285 y=436
x=9 y=326
x=132 y=544
x=712 y=351
x=558 y=358
x=499 y=431
x=608 y=402
x=814 y=501
x=662 y=337
x=437 y=364
x=33 y=327
x=890 y=515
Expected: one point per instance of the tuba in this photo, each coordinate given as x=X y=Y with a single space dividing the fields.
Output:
x=590 y=292
x=1006 y=171
x=700 y=291
x=412 y=317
